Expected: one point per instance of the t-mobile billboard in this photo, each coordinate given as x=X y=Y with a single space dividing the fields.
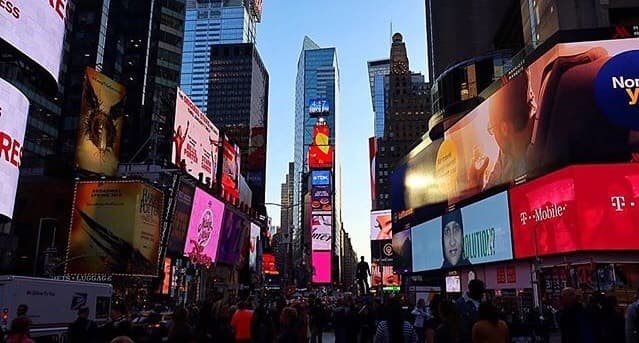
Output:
x=14 y=108
x=35 y=28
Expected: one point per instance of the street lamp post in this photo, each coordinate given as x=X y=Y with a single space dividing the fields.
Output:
x=37 y=251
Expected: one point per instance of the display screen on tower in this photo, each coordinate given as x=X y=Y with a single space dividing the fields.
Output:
x=320 y=151
x=204 y=228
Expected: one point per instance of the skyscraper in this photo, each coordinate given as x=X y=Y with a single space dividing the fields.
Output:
x=211 y=22
x=317 y=82
x=378 y=78
x=238 y=103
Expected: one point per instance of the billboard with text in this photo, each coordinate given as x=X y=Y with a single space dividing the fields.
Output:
x=204 y=228
x=382 y=264
x=318 y=107
x=321 y=231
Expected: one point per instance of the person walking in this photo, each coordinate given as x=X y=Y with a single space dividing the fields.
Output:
x=241 y=323
x=489 y=328
x=119 y=325
x=574 y=322
x=468 y=308
x=19 y=331
x=632 y=321
x=420 y=313
x=180 y=330
x=363 y=272
x=317 y=320
x=262 y=326
x=613 y=326
x=288 y=326
x=395 y=329
x=83 y=329
x=449 y=329
x=434 y=319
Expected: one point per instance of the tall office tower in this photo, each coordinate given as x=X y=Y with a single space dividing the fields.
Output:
x=238 y=102
x=210 y=22
x=405 y=121
x=378 y=72
x=287 y=201
x=316 y=144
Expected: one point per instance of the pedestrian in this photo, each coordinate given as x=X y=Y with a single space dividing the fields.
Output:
x=434 y=319
x=367 y=320
x=83 y=329
x=241 y=323
x=632 y=321
x=317 y=320
x=468 y=308
x=180 y=330
x=613 y=326
x=574 y=322
x=19 y=331
x=449 y=330
x=288 y=326
x=489 y=328
x=395 y=329
x=420 y=314
x=122 y=339
x=363 y=272
x=118 y=325
x=262 y=326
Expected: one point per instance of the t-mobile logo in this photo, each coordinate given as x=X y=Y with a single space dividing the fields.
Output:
x=618 y=202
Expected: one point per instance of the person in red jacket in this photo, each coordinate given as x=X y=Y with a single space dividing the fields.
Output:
x=241 y=323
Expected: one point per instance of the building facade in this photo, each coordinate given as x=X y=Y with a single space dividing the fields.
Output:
x=238 y=100
x=378 y=72
x=210 y=22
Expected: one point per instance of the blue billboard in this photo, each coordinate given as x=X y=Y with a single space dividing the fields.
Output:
x=320 y=178
x=318 y=107
x=475 y=234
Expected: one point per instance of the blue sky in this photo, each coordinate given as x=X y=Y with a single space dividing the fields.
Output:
x=360 y=30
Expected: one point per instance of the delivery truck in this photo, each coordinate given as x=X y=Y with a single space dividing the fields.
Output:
x=52 y=304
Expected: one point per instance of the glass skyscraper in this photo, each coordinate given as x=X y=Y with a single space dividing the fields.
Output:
x=317 y=77
x=211 y=22
x=378 y=78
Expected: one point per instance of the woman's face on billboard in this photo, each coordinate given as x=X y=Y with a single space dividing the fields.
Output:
x=453 y=242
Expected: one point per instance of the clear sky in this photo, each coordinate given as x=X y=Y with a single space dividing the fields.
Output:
x=360 y=30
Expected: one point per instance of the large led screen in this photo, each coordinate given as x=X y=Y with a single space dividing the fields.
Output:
x=587 y=207
x=204 y=228
x=255 y=238
x=231 y=170
x=115 y=229
x=235 y=228
x=269 y=265
x=195 y=140
x=571 y=105
x=381 y=225
x=474 y=234
x=321 y=198
x=14 y=108
x=382 y=264
x=101 y=119
x=321 y=178
x=320 y=151
x=321 y=230
x=318 y=107
x=321 y=261
x=402 y=251
x=181 y=214
x=35 y=28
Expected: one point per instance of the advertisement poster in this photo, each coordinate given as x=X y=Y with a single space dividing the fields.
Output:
x=321 y=231
x=477 y=233
x=35 y=28
x=100 y=129
x=318 y=107
x=204 y=228
x=381 y=225
x=195 y=140
x=321 y=264
x=402 y=251
x=562 y=212
x=115 y=229
x=268 y=264
x=231 y=170
x=372 y=153
x=14 y=109
x=235 y=228
x=181 y=214
x=255 y=238
x=166 y=278
x=382 y=264
x=320 y=151
x=528 y=126
x=321 y=198
x=321 y=178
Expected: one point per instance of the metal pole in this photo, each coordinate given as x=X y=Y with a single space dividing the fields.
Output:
x=37 y=251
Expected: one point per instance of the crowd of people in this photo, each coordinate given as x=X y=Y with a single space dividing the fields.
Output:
x=363 y=319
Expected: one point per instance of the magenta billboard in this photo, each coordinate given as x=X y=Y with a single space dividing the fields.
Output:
x=321 y=261
x=204 y=228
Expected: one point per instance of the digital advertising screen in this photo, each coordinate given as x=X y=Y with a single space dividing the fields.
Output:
x=382 y=264
x=14 y=109
x=321 y=261
x=453 y=283
x=564 y=212
x=320 y=151
x=231 y=169
x=35 y=28
x=235 y=228
x=205 y=224
x=166 y=278
x=101 y=119
x=318 y=107
x=321 y=230
x=477 y=233
x=321 y=178
x=372 y=153
x=195 y=140
x=321 y=198
x=181 y=214
x=402 y=251
x=115 y=229
x=381 y=225
x=572 y=105
x=268 y=264
x=255 y=239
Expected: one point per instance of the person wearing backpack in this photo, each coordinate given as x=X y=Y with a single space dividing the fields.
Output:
x=83 y=329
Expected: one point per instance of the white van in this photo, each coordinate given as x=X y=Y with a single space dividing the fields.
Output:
x=53 y=304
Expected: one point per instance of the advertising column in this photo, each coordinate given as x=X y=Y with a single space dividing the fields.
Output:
x=14 y=108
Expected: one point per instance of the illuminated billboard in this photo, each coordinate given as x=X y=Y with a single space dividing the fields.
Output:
x=321 y=265
x=14 y=109
x=321 y=230
x=195 y=140
x=115 y=228
x=571 y=105
x=477 y=233
x=231 y=170
x=320 y=151
x=318 y=107
x=381 y=225
x=35 y=28
x=268 y=264
x=101 y=119
x=255 y=239
x=372 y=155
x=204 y=228
x=235 y=228
x=576 y=209
x=382 y=264
x=181 y=214
x=321 y=198
x=320 y=178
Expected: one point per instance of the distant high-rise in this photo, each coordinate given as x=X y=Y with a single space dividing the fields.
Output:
x=378 y=72
x=238 y=103
x=210 y=22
